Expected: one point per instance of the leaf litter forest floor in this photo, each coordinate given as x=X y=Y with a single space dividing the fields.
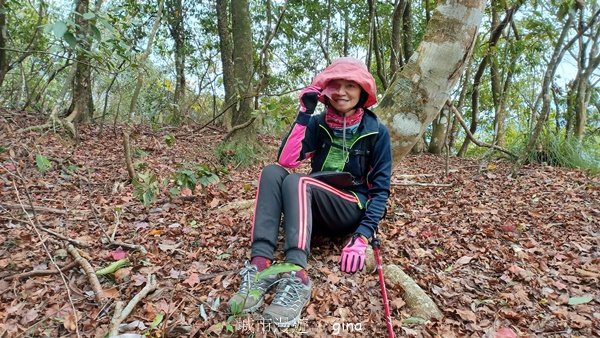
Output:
x=500 y=256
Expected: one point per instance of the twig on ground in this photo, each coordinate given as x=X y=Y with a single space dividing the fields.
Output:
x=122 y=313
x=408 y=183
x=37 y=273
x=89 y=271
x=117 y=222
x=32 y=208
x=413 y=176
x=64 y=238
x=137 y=247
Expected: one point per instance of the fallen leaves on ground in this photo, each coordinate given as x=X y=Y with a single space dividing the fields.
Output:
x=502 y=257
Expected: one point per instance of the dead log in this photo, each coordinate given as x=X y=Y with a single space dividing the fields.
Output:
x=419 y=303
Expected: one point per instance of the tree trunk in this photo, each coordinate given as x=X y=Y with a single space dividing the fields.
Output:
x=243 y=68
x=494 y=37
x=588 y=63
x=500 y=116
x=461 y=100
x=396 y=57
x=544 y=97
x=407 y=31
x=422 y=88
x=142 y=60
x=177 y=30
x=381 y=73
x=438 y=134
x=82 y=105
x=226 y=46
x=3 y=38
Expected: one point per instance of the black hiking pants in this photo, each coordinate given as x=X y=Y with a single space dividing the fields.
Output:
x=304 y=202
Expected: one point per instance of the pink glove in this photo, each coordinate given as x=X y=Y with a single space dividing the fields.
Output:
x=353 y=254
x=309 y=97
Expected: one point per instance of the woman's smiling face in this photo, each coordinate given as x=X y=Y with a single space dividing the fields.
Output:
x=343 y=94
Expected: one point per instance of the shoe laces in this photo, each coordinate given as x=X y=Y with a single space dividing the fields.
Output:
x=288 y=290
x=248 y=274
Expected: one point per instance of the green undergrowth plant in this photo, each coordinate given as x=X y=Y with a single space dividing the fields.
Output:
x=146 y=187
x=193 y=175
x=553 y=149
x=239 y=154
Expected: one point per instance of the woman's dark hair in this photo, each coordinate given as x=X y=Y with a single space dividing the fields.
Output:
x=363 y=98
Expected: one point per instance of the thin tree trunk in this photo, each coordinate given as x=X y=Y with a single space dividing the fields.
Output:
x=381 y=73
x=396 y=57
x=142 y=61
x=226 y=47
x=544 y=98
x=177 y=31
x=461 y=100
x=407 y=31
x=82 y=106
x=438 y=133
x=243 y=67
x=584 y=90
x=494 y=37
x=3 y=38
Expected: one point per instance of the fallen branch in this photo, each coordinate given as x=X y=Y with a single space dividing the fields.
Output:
x=32 y=208
x=63 y=237
x=408 y=183
x=38 y=273
x=120 y=313
x=419 y=303
x=413 y=176
x=139 y=248
x=89 y=272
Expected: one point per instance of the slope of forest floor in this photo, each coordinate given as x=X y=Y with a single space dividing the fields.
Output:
x=501 y=256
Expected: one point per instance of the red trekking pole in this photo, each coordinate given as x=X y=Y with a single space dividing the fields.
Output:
x=375 y=243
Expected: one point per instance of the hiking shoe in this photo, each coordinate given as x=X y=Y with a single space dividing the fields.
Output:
x=289 y=300
x=252 y=291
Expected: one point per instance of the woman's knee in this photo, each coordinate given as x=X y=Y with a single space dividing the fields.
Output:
x=291 y=182
x=273 y=172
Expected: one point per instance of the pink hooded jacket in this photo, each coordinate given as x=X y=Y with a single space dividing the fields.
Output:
x=352 y=69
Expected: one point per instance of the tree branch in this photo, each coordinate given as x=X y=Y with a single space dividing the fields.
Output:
x=121 y=314
x=472 y=138
x=89 y=272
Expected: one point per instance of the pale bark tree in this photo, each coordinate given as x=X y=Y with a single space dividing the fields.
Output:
x=417 y=95
x=422 y=88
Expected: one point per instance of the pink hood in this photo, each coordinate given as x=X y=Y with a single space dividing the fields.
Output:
x=352 y=69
